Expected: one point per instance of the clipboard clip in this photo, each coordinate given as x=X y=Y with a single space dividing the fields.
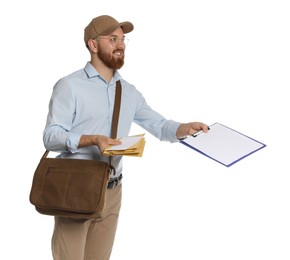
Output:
x=198 y=133
x=193 y=135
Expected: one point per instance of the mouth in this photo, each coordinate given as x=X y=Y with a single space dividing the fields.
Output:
x=118 y=53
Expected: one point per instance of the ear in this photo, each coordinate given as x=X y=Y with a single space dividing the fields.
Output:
x=92 y=45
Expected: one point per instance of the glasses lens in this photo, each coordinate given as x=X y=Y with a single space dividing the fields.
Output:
x=114 y=40
x=125 y=40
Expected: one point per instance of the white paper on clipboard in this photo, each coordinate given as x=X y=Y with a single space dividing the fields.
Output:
x=223 y=144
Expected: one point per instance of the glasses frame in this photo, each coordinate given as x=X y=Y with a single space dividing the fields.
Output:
x=114 y=39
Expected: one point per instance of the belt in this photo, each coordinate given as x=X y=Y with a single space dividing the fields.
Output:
x=115 y=182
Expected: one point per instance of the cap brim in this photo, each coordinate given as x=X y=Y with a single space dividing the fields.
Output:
x=126 y=27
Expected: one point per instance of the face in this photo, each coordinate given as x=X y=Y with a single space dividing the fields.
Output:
x=111 y=49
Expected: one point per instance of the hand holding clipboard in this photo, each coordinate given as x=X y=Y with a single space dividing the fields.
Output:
x=223 y=144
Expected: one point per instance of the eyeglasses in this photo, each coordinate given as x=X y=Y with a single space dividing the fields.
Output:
x=115 y=39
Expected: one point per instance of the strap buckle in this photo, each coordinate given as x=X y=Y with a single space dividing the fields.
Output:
x=115 y=182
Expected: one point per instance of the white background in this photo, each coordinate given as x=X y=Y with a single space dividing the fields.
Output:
x=211 y=61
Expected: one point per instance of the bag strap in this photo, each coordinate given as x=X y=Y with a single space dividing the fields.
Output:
x=115 y=118
x=45 y=154
x=116 y=113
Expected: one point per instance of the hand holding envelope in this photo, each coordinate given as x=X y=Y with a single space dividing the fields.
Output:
x=131 y=145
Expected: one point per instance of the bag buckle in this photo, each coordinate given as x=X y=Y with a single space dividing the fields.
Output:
x=112 y=170
x=115 y=182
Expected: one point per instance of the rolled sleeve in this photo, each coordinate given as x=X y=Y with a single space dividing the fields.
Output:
x=72 y=142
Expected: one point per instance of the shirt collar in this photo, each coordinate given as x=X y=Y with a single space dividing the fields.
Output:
x=91 y=73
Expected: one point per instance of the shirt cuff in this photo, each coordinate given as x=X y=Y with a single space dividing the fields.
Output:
x=72 y=142
x=170 y=131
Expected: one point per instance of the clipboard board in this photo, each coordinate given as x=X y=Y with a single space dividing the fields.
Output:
x=223 y=144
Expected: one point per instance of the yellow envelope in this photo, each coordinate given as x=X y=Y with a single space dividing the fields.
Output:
x=131 y=146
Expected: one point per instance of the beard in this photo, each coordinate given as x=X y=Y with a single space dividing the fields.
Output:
x=109 y=59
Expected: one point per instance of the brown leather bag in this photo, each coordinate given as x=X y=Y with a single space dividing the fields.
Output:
x=73 y=188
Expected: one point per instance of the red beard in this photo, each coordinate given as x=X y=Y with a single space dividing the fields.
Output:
x=109 y=59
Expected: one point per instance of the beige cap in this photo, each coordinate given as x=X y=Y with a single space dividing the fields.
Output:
x=104 y=25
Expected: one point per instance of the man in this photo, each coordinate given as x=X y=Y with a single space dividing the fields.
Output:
x=79 y=126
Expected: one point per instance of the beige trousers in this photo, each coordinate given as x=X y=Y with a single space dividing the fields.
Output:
x=88 y=239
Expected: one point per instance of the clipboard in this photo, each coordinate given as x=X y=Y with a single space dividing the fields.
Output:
x=223 y=144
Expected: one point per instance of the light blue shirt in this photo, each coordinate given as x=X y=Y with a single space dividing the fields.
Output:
x=82 y=104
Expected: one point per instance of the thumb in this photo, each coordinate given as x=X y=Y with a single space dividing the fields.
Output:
x=115 y=142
